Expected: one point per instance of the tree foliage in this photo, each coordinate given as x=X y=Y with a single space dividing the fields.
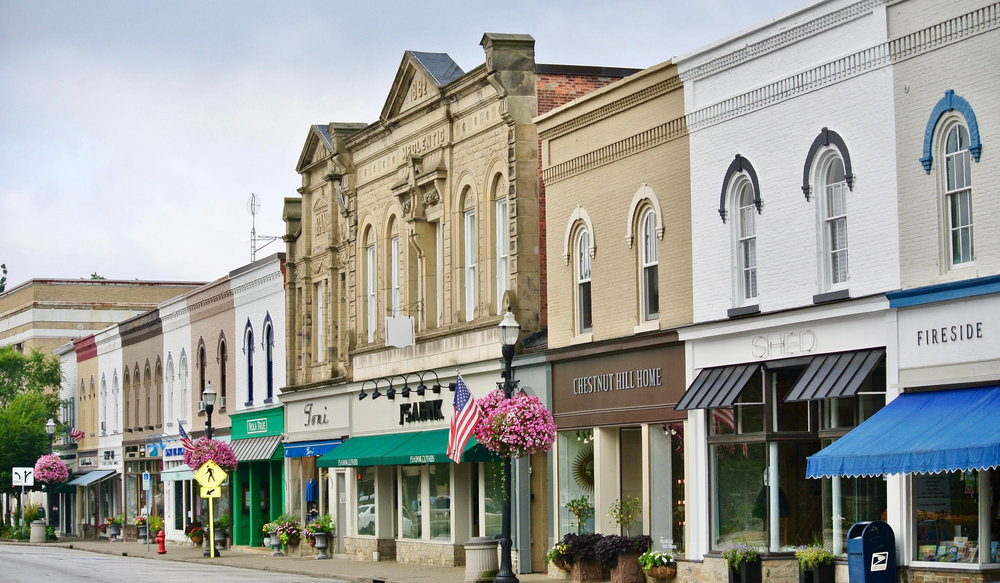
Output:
x=29 y=396
x=27 y=373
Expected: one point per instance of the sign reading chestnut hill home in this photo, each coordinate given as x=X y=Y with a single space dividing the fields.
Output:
x=618 y=381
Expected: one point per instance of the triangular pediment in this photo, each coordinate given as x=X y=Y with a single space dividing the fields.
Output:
x=317 y=147
x=420 y=78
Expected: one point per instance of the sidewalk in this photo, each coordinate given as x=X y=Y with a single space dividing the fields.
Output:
x=261 y=560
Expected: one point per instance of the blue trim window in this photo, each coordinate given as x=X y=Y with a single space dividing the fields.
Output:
x=248 y=350
x=951 y=102
x=269 y=356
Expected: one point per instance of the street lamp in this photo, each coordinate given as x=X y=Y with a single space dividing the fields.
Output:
x=208 y=396
x=50 y=428
x=507 y=332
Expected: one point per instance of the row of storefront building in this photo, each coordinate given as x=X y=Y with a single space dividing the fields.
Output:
x=721 y=265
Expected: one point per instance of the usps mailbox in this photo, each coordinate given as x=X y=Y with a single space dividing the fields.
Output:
x=871 y=553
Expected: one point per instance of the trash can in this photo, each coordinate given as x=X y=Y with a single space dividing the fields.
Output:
x=871 y=553
x=481 y=561
x=37 y=531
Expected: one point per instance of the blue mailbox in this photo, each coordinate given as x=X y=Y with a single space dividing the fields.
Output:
x=871 y=553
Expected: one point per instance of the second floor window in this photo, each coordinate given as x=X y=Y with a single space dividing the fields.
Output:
x=584 y=322
x=746 y=241
x=650 y=268
x=958 y=192
x=470 y=264
x=834 y=209
x=370 y=290
x=503 y=271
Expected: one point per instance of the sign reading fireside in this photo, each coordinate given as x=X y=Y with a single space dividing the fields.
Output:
x=420 y=411
x=617 y=381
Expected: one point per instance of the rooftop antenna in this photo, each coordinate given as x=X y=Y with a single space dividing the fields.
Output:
x=252 y=206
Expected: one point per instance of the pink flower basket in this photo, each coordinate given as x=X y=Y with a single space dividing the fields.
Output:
x=50 y=468
x=514 y=427
x=209 y=449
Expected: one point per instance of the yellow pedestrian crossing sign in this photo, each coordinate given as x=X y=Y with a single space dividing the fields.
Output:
x=213 y=492
x=210 y=475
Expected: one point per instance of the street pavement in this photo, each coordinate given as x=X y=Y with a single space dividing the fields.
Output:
x=260 y=559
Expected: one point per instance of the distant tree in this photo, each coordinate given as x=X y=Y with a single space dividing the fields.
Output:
x=28 y=373
x=95 y=275
x=3 y=278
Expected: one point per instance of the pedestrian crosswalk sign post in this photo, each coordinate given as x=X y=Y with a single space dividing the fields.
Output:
x=211 y=477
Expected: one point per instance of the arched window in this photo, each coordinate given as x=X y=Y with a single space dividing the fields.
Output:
x=501 y=239
x=958 y=192
x=269 y=356
x=248 y=350
x=393 y=261
x=114 y=402
x=158 y=381
x=104 y=405
x=832 y=207
x=649 y=258
x=126 y=399
x=171 y=383
x=223 y=366
x=745 y=227
x=136 y=391
x=469 y=254
x=370 y=285
x=319 y=321
x=147 y=388
x=581 y=251
x=202 y=370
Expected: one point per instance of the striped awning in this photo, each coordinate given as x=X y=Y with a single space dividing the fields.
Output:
x=253 y=449
x=717 y=387
x=835 y=375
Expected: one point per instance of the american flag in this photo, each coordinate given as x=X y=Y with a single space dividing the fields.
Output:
x=463 y=420
x=76 y=434
x=185 y=440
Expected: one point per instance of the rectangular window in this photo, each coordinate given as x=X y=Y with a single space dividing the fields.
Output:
x=319 y=318
x=366 y=501
x=370 y=290
x=748 y=249
x=948 y=511
x=503 y=271
x=492 y=480
x=409 y=502
x=836 y=225
x=958 y=161
x=576 y=481
x=440 y=501
x=470 y=265
x=394 y=270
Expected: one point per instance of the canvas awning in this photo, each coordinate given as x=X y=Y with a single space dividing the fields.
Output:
x=90 y=477
x=919 y=433
x=419 y=447
x=310 y=448
x=718 y=386
x=252 y=449
x=835 y=375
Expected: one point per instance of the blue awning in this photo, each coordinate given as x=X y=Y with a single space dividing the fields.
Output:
x=310 y=448
x=919 y=433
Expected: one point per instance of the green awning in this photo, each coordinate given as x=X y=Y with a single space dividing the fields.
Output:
x=418 y=447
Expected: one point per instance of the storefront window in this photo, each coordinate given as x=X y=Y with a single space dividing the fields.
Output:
x=576 y=478
x=366 y=501
x=666 y=508
x=947 y=514
x=493 y=502
x=737 y=483
x=847 y=501
x=410 y=504
x=440 y=501
x=630 y=472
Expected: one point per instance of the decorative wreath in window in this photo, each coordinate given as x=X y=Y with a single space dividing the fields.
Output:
x=583 y=467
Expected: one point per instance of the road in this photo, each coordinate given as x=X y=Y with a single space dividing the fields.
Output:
x=35 y=564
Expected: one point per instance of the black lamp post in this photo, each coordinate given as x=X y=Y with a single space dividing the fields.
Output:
x=208 y=396
x=50 y=428
x=507 y=333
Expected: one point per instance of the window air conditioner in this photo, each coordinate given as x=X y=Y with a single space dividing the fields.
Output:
x=222 y=402
x=201 y=405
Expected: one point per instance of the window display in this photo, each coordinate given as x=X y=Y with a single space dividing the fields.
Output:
x=947 y=516
x=366 y=501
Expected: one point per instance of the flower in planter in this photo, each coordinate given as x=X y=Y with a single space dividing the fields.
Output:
x=581 y=510
x=559 y=556
x=581 y=547
x=209 y=449
x=50 y=468
x=651 y=559
x=609 y=547
x=320 y=524
x=812 y=556
x=625 y=511
x=155 y=524
x=140 y=521
x=514 y=427
x=194 y=530
x=288 y=529
x=116 y=520
x=740 y=553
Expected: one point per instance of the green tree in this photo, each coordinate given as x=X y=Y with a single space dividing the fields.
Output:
x=3 y=278
x=24 y=373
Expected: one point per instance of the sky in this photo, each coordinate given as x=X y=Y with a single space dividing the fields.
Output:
x=133 y=133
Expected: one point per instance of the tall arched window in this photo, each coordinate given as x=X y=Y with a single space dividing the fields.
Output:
x=833 y=217
x=584 y=321
x=158 y=382
x=114 y=402
x=184 y=380
x=126 y=399
x=104 y=405
x=319 y=321
x=202 y=371
x=147 y=388
x=649 y=258
x=469 y=254
x=745 y=226
x=269 y=357
x=223 y=366
x=370 y=285
x=395 y=292
x=958 y=192
x=136 y=392
x=501 y=239
x=171 y=383
x=248 y=350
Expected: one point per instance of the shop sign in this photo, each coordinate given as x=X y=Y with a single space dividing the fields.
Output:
x=948 y=334
x=783 y=344
x=108 y=459
x=87 y=462
x=314 y=419
x=421 y=411
x=618 y=381
x=257 y=425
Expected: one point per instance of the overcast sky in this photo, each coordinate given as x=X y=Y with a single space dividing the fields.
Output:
x=132 y=133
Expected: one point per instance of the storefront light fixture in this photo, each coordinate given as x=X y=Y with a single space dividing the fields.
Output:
x=393 y=386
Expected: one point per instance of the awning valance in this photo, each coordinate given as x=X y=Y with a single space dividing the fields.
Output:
x=177 y=474
x=835 y=375
x=253 y=449
x=90 y=477
x=717 y=387
x=310 y=448
x=419 y=447
x=919 y=433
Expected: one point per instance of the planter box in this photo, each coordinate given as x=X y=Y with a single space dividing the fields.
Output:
x=663 y=572
x=627 y=569
x=820 y=574
x=587 y=572
x=747 y=573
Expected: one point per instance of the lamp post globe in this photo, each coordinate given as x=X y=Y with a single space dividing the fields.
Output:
x=208 y=396
x=50 y=428
x=508 y=332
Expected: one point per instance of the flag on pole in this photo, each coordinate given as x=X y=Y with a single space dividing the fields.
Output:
x=76 y=434
x=185 y=440
x=463 y=420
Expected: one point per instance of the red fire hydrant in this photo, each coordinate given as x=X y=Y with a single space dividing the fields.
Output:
x=161 y=539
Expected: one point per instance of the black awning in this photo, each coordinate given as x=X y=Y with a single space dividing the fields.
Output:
x=835 y=375
x=717 y=387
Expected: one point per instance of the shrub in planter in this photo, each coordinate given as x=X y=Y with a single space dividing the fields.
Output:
x=744 y=563
x=559 y=556
x=815 y=564
x=621 y=553
x=582 y=552
x=658 y=565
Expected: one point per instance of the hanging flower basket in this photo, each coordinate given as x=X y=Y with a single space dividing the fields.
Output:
x=50 y=468
x=209 y=449
x=514 y=427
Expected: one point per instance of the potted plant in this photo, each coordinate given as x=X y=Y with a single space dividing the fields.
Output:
x=114 y=526
x=210 y=449
x=559 y=556
x=317 y=533
x=221 y=525
x=658 y=565
x=582 y=553
x=143 y=527
x=625 y=512
x=815 y=564
x=621 y=553
x=270 y=530
x=195 y=531
x=582 y=510
x=51 y=469
x=744 y=563
x=155 y=524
